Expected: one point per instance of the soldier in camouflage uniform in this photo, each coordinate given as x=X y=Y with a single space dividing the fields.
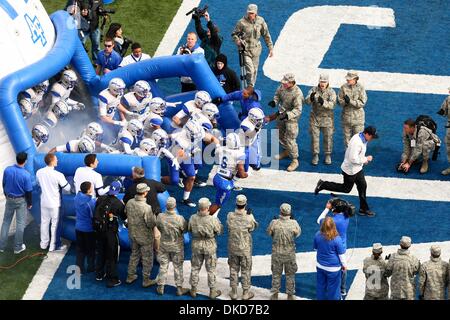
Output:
x=374 y=267
x=204 y=229
x=403 y=267
x=352 y=97
x=433 y=276
x=241 y=223
x=322 y=99
x=289 y=99
x=253 y=27
x=445 y=111
x=283 y=231
x=171 y=249
x=141 y=224
x=416 y=144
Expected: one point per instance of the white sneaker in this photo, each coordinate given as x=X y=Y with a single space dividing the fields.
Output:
x=24 y=247
x=51 y=249
x=61 y=248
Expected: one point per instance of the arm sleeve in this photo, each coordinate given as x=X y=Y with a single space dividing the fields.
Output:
x=276 y=96
x=308 y=96
x=406 y=148
x=296 y=111
x=215 y=38
x=322 y=215
x=417 y=150
x=340 y=97
x=233 y=96
x=298 y=230
x=63 y=184
x=422 y=280
x=361 y=101
x=28 y=184
x=236 y=29
x=29 y=197
x=266 y=34
x=331 y=101
x=355 y=154
x=199 y=29
x=160 y=188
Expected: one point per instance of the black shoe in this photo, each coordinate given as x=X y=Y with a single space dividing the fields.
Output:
x=318 y=187
x=100 y=277
x=199 y=183
x=189 y=203
x=114 y=283
x=344 y=293
x=368 y=213
x=255 y=167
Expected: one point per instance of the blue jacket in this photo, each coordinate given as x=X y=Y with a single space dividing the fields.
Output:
x=246 y=104
x=328 y=251
x=84 y=209
x=341 y=226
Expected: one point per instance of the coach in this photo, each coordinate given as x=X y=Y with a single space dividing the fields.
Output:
x=352 y=169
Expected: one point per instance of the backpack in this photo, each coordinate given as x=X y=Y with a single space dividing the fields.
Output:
x=103 y=219
x=426 y=121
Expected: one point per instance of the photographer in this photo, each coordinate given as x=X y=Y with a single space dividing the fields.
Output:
x=191 y=47
x=342 y=211
x=121 y=43
x=211 y=40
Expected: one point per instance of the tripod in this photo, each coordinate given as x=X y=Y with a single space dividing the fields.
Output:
x=243 y=75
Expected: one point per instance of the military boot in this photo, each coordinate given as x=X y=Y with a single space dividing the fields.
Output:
x=214 y=293
x=131 y=278
x=193 y=292
x=148 y=282
x=233 y=293
x=446 y=172
x=424 y=167
x=160 y=290
x=247 y=294
x=182 y=291
x=282 y=155
x=291 y=297
x=274 y=296
x=315 y=159
x=294 y=165
x=327 y=158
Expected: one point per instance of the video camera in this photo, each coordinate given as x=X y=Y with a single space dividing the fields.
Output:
x=185 y=50
x=104 y=12
x=345 y=207
x=199 y=12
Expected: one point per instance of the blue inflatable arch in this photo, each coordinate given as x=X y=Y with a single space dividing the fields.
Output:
x=69 y=50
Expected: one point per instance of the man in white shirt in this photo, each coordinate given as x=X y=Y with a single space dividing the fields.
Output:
x=352 y=170
x=50 y=181
x=191 y=47
x=88 y=173
x=135 y=56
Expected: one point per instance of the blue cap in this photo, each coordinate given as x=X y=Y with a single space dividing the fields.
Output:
x=114 y=188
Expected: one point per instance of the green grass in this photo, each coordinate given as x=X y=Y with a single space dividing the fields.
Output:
x=144 y=21
x=14 y=282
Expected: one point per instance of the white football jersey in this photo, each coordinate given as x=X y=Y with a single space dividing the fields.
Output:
x=186 y=111
x=151 y=123
x=229 y=160
x=50 y=119
x=59 y=92
x=247 y=132
x=133 y=104
x=181 y=139
x=107 y=104
x=203 y=120
x=34 y=97
x=70 y=147
x=126 y=138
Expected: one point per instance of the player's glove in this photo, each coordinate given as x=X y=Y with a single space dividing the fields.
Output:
x=122 y=123
x=175 y=164
x=272 y=104
x=80 y=106
x=320 y=100
x=388 y=257
x=311 y=97
x=347 y=99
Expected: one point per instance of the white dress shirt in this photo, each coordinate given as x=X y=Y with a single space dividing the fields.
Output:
x=51 y=181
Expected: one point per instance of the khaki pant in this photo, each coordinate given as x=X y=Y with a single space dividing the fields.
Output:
x=251 y=63
x=197 y=260
x=288 y=132
x=289 y=264
x=177 y=259
x=350 y=130
x=327 y=139
x=244 y=265
x=141 y=249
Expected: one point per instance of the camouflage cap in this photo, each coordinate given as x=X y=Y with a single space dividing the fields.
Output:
x=324 y=78
x=241 y=200
x=285 y=209
x=435 y=251
x=377 y=248
x=351 y=75
x=252 y=8
x=405 y=241
x=171 y=203
x=142 y=187
x=288 y=77
x=203 y=203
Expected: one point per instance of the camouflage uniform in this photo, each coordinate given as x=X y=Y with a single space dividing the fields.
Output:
x=253 y=32
x=403 y=267
x=290 y=102
x=283 y=231
x=377 y=286
x=433 y=277
x=204 y=229
x=171 y=249
x=353 y=115
x=141 y=222
x=240 y=225
x=424 y=144
x=445 y=110
x=321 y=119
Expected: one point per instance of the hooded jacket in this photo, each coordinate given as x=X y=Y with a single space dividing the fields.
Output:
x=84 y=209
x=226 y=77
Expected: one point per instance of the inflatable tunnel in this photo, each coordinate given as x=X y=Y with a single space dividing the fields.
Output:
x=66 y=48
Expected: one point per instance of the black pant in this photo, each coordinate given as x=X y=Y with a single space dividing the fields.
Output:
x=85 y=248
x=185 y=87
x=107 y=255
x=347 y=186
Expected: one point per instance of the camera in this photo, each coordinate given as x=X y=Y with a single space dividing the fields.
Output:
x=104 y=12
x=343 y=206
x=185 y=50
x=199 y=12
x=241 y=36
